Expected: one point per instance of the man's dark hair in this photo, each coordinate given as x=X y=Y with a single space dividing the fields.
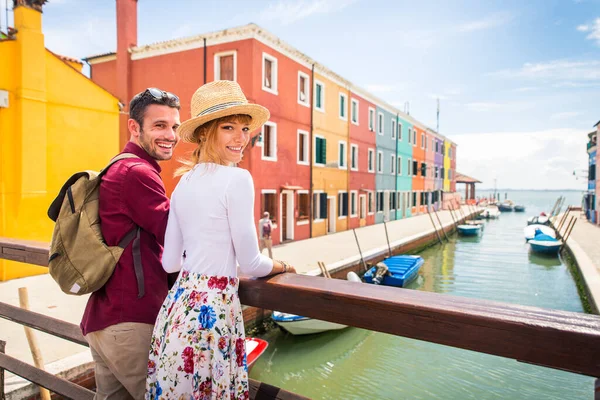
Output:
x=141 y=101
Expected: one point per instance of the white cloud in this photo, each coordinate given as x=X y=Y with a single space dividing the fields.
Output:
x=492 y=21
x=524 y=160
x=556 y=70
x=566 y=115
x=288 y=12
x=593 y=29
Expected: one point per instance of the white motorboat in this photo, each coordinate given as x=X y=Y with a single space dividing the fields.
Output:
x=530 y=231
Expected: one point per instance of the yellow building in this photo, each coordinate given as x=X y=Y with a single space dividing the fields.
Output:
x=447 y=165
x=54 y=121
x=330 y=152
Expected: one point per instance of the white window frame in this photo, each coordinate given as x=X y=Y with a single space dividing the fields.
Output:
x=352 y=102
x=393 y=166
x=356 y=204
x=340 y=192
x=399 y=127
x=315 y=136
x=377 y=199
x=306 y=102
x=269 y=191
x=380 y=158
x=399 y=163
x=352 y=147
x=317 y=207
x=426 y=141
x=372 y=119
x=380 y=124
x=274 y=72
x=371 y=168
x=393 y=129
x=370 y=203
x=422 y=140
x=322 y=108
x=217 y=66
x=306 y=135
x=414 y=137
x=409 y=167
x=306 y=221
x=345 y=96
x=340 y=165
x=273 y=126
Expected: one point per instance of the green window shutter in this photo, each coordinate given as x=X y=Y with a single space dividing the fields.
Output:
x=318 y=150
x=319 y=92
x=323 y=151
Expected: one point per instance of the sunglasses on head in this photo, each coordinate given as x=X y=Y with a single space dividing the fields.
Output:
x=162 y=95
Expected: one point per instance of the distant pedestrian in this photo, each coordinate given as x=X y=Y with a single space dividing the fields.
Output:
x=265 y=227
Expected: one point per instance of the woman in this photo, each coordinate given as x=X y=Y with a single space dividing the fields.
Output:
x=198 y=346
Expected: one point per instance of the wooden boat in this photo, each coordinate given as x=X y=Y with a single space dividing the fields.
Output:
x=531 y=230
x=299 y=325
x=490 y=212
x=545 y=244
x=254 y=349
x=504 y=207
x=402 y=270
x=519 y=208
x=538 y=219
x=469 y=230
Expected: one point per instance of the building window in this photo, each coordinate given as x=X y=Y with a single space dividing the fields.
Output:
x=393 y=128
x=379 y=201
x=269 y=71
x=226 y=66
x=437 y=147
x=423 y=169
x=269 y=204
x=450 y=153
x=380 y=162
x=422 y=140
x=319 y=206
x=399 y=131
x=437 y=172
x=371 y=160
x=414 y=137
x=319 y=96
x=353 y=204
x=268 y=139
x=443 y=173
x=354 y=157
x=426 y=141
x=303 y=206
x=370 y=203
x=362 y=206
x=320 y=150
x=393 y=165
x=303 y=89
x=392 y=200
x=342 y=155
x=415 y=168
x=399 y=165
x=342 y=204
x=371 y=119
x=354 y=112
x=303 y=147
x=380 y=124
x=343 y=106
x=414 y=199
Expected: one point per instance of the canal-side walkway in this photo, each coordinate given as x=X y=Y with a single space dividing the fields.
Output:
x=584 y=243
x=337 y=251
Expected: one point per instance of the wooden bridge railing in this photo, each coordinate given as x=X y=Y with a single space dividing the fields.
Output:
x=557 y=339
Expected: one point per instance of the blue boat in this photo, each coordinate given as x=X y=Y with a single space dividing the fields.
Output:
x=402 y=270
x=469 y=230
x=519 y=208
x=545 y=244
x=504 y=207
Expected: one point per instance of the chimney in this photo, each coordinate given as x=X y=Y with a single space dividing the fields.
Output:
x=126 y=38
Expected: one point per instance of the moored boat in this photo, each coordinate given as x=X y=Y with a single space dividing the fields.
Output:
x=254 y=349
x=299 y=325
x=545 y=244
x=402 y=270
x=538 y=219
x=469 y=230
x=519 y=208
x=505 y=207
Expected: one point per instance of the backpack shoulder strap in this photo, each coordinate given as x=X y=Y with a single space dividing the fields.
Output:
x=119 y=157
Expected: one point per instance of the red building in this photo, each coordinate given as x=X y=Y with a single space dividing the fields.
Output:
x=278 y=158
x=362 y=150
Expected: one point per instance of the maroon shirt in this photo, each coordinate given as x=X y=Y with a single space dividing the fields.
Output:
x=131 y=193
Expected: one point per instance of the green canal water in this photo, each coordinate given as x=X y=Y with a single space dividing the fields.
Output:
x=359 y=364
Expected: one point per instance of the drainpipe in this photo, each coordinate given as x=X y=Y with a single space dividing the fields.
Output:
x=396 y=166
x=204 y=60
x=310 y=151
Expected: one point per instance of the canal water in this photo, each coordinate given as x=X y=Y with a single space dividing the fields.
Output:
x=359 y=364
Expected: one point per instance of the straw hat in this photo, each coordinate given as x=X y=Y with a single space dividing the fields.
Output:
x=219 y=99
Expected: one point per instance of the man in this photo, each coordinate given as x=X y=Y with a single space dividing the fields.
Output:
x=119 y=318
x=264 y=233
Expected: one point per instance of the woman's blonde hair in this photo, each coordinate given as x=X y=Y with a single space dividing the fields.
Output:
x=206 y=138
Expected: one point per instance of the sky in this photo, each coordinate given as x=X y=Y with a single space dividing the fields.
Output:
x=518 y=81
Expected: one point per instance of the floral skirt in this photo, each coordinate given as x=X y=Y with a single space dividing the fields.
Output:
x=197 y=349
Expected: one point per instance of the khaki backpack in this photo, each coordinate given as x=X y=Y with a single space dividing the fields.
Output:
x=80 y=261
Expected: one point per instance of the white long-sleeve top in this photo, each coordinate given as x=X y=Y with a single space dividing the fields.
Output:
x=211 y=219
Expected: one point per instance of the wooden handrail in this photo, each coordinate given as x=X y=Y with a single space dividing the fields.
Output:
x=556 y=339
